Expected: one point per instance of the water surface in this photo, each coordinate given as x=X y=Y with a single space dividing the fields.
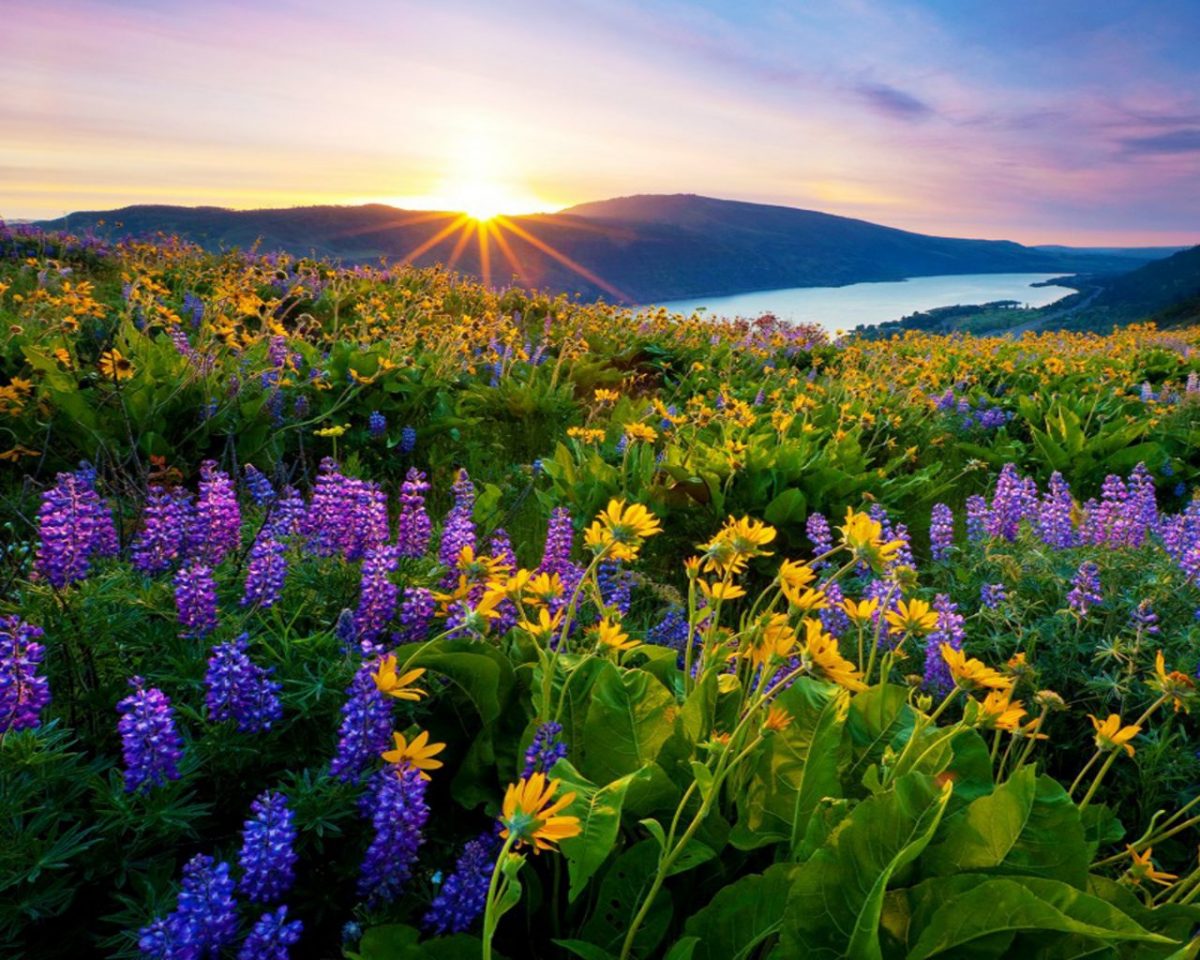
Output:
x=842 y=308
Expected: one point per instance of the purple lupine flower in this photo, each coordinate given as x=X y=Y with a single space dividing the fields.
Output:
x=991 y=595
x=74 y=525
x=1142 y=504
x=977 y=514
x=196 y=600
x=238 y=689
x=267 y=858
x=205 y=918
x=416 y=615
x=890 y=532
x=1144 y=619
x=366 y=728
x=500 y=548
x=287 y=515
x=1053 y=521
x=376 y=424
x=277 y=351
x=816 y=528
x=265 y=573
x=888 y=595
x=941 y=531
x=458 y=529
x=1012 y=501
x=413 y=529
x=215 y=530
x=300 y=407
x=150 y=742
x=1085 y=589
x=398 y=814
x=546 y=749
x=949 y=629
x=261 y=491
x=163 y=536
x=671 y=630
x=616 y=585
x=408 y=440
x=347 y=515
x=272 y=937
x=24 y=693
x=377 y=598
x=460 y=901
x=833 y=616
x=556 y=558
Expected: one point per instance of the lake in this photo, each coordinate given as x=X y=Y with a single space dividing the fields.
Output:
x=843 y=308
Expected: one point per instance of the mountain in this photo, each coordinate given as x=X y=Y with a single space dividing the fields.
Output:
x=639 y=249
x=1166 y=291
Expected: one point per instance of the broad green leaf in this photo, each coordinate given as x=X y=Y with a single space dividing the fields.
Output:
x=599 y=813
x=797 y=767
x=683 y=949
x=588 y=951
x=481 y=672
x=742 y=915
x=837 y=897
x=1028 y=825
x=626 y=724
x=625 y=882
x=950 y=913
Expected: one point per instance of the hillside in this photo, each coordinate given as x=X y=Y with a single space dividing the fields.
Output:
x=640 y=249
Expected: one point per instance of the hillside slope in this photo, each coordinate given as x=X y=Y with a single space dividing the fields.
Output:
x=637 y=249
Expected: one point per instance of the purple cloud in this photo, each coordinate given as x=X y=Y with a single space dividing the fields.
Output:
x=893 y=102
x=1184 y=140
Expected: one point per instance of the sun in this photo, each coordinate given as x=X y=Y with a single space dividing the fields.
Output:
x=484 y=200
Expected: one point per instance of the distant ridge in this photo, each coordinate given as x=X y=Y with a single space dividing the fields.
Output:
x=637 y=249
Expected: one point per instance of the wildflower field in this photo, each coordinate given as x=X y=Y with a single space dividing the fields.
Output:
x=367 y=611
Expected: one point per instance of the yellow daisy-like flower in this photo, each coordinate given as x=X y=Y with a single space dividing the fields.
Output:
x=1142 y=868
x=972 y=674
x=796 y=575
x=1110 y=735
x=114 y=366
x=586 y=434
x=998 y=712
x=400 y=687
x=805 y=601
x=1178 y=687
x=777 y=720
x=612 y=637
x=546 y=625
x=480 y=569
x=635 y=432
x=864 y=538
x=606 y=396
x=529 y=816
x=912 y=616
x=545 y=587
x=334 y=431
x=417 y=753
x=860 y=613
x=620 y=530
x=721 y=590
x=773 y=640
x=820 y=650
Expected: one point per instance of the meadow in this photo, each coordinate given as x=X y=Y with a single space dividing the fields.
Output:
x=367 y=609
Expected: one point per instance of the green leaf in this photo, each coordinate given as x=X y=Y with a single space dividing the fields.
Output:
x=1028 y=825
x=599 y=813
x=626 y=723
x=588 y=951
x=949 y=913
x=837 y=897
x=742 y=915
x=480 y=672
x=797 y=767
x=790 y=507
x=683 y=949
x=626 y=881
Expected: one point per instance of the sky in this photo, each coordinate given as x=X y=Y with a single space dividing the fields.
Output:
x=1041 y=121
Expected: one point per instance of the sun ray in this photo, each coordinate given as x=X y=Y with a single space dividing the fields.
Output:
x=459 y=221
x=507 y=251
x=464 y=237
x=485 y=259
x=561 y=258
